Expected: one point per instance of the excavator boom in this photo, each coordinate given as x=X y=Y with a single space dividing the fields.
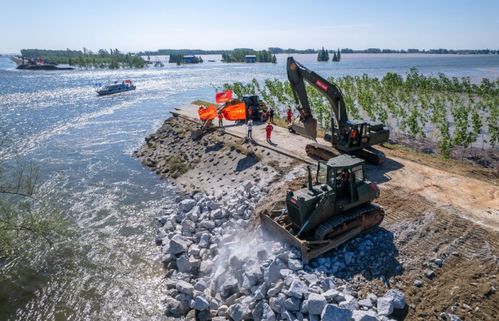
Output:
x=297 y=74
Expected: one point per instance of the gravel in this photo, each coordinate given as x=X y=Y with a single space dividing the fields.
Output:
x=220 y=266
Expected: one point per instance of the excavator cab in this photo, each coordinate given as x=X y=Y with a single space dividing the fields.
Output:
x=354 y=134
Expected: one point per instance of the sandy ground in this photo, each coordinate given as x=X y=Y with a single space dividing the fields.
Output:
x=432 y=213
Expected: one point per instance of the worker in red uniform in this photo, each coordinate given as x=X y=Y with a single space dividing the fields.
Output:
x=354 y=136
x=290 y=115
x=269 y=129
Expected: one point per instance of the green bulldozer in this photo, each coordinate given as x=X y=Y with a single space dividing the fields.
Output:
x=330 y=210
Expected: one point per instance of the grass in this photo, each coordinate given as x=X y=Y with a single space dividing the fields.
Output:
x=177 y=166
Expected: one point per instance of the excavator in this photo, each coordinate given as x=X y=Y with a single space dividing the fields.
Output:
x=354 y=137
x=338 y=204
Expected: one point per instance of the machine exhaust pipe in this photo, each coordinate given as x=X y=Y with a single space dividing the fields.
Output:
x=309 y=178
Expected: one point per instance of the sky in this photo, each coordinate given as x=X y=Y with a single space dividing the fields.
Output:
x=154 y=24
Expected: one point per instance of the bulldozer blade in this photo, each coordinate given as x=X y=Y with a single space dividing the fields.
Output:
x=306 y=128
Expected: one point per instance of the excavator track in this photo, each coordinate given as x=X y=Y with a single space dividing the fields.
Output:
x=364 y=216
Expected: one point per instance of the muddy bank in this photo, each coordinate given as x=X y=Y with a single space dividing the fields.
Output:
x=219 y=264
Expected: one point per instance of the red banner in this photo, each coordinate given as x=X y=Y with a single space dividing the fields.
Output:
x=207 y=113
x=223 y=97
x=235 y=112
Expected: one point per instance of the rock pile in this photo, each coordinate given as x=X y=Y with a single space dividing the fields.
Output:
x=220 y=266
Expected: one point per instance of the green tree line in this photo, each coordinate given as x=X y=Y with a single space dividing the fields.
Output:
x=238 y=55
x=112 y=59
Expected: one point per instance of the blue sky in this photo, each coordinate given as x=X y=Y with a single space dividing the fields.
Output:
x=153 y=24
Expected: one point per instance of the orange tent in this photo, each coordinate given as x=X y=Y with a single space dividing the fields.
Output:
x=207 y=113
x=223 y=97
x=235 y=112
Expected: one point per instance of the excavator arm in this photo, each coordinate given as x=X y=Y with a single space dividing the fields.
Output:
x=297 y=74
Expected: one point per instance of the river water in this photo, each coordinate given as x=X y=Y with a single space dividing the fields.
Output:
x=82 y=144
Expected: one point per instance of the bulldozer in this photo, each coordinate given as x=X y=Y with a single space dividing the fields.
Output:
x=355 y=137
x=330 y=210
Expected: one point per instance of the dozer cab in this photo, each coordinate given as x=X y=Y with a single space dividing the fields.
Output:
x=355 y=137
x=333 y=208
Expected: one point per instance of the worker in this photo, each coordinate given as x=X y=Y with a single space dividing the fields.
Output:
x=354 y=135
x=269 y=129
x=220 y=120
x=344 y=177
x=271 y=115
x=290 y=115
x=250 y=129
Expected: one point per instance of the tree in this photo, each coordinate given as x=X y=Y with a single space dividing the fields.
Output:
x=323 y=55
x=27 y=219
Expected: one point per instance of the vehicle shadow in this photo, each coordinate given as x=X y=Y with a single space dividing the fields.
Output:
x=381 y=173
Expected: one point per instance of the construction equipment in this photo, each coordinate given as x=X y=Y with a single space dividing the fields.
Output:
x=322 y=216
x=351 y=137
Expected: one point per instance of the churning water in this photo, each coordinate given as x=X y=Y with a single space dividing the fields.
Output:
x=82 y=144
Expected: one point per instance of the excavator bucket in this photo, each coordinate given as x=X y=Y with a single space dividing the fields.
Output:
x=306 y=128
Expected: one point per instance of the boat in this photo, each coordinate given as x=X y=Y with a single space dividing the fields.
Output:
x=115 y=88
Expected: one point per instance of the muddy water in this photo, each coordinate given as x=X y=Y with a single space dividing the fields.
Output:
x=82 y=143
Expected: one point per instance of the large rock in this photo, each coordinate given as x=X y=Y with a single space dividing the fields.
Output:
x=254 y=274
x=268 y=314
x=204 y=240
x=349 y=303
x=364 y=315
x=316 y=302
x=230 y=286
x=398 y=298
x=385 y=305
x=183 y=264
x=277 y=303
x=297 y=289
x=178 y=244
x=292 y=304
x=236 y=312
x=333 y=313
x=272 y=272
x=275 y=290
x=200 y=303
x=366 y=303
x=186 y=205
x=184 y=287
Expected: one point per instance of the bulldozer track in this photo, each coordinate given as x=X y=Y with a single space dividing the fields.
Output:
x=328 y=226
x=437 y=230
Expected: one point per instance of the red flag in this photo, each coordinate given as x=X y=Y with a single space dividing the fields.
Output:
x=207 y=113
x=235 y=112
x=224 y=96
